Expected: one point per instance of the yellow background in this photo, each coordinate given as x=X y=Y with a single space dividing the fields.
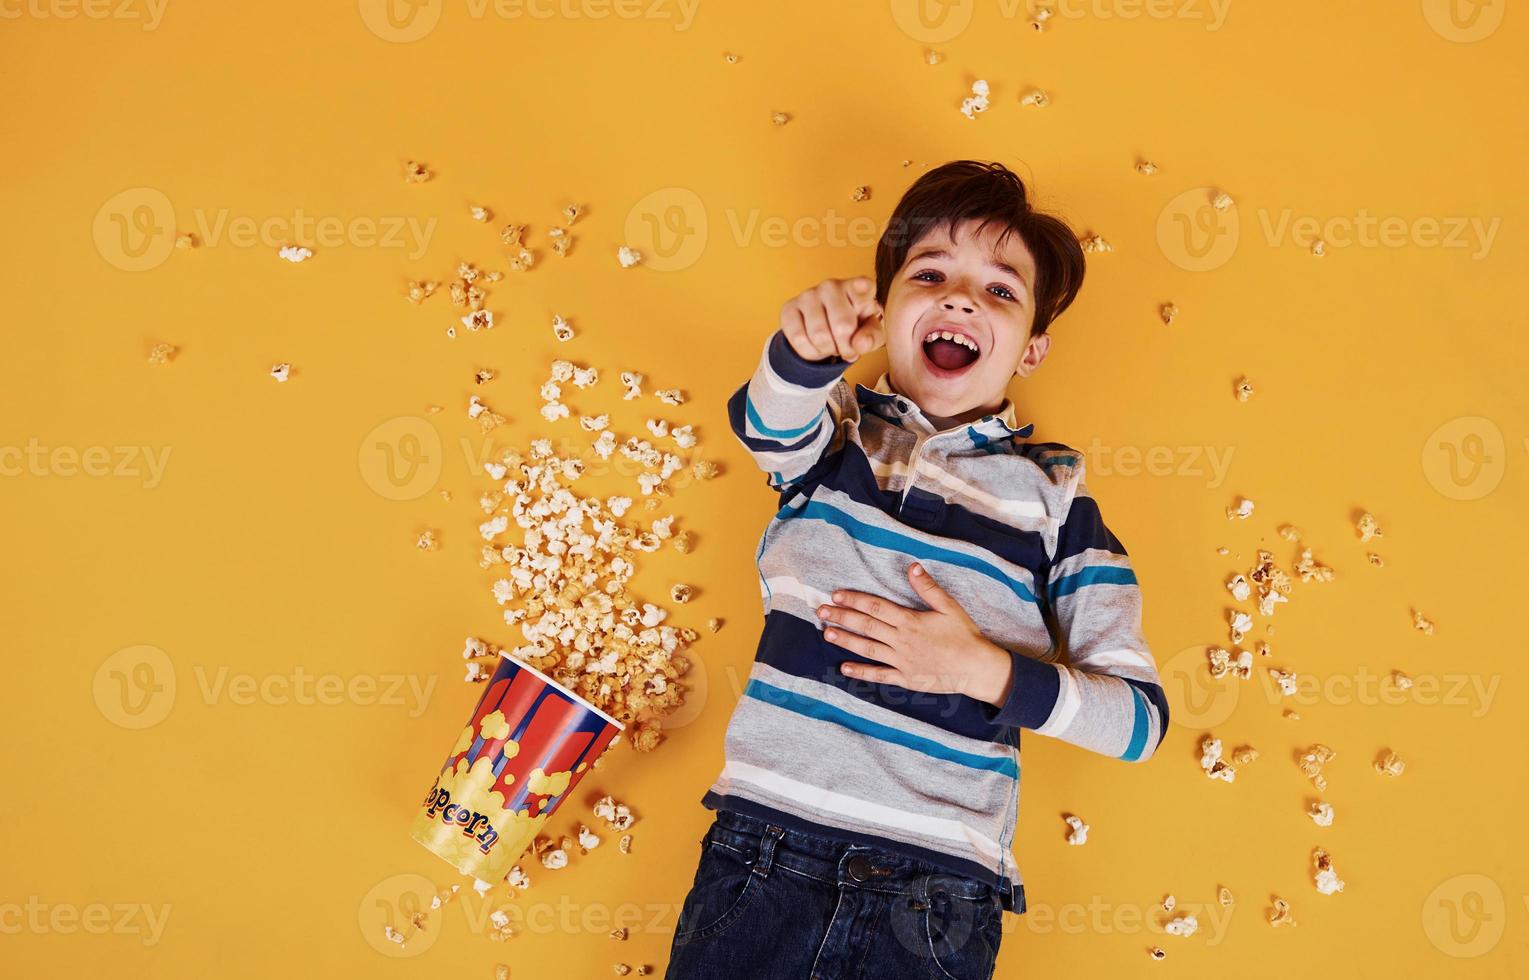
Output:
x=275 y=832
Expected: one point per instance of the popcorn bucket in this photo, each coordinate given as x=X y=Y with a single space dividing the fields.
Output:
x=525 y=748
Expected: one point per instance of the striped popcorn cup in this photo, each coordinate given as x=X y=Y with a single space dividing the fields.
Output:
x=525 y=748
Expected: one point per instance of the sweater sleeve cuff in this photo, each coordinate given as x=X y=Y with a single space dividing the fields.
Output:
x=1032 y=695
x=792 y=367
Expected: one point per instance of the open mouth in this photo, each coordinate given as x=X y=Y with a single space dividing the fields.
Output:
x=949 y=352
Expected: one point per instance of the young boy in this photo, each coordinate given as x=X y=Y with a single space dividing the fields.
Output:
x=923 y=568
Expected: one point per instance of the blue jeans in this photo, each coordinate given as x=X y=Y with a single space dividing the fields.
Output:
x=769 y=903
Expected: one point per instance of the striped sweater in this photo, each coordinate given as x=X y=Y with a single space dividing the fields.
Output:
x=1008 y=529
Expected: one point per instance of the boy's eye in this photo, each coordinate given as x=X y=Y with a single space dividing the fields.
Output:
x=1006 y=292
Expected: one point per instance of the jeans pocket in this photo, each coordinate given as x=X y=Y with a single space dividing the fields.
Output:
x=963 y=935
x=725 y=885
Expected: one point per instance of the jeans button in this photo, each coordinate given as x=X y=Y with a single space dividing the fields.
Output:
x=860 y=867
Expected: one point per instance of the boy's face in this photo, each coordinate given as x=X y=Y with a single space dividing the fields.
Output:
x=964 y=284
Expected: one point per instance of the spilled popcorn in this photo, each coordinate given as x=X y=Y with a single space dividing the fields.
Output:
x=1182 y=925
x=1243 y=509
x=1311 y=763
x=1210 y=760
x=1222 y=664
x=977 y=101
x=1389 y=764
x=1327 y=879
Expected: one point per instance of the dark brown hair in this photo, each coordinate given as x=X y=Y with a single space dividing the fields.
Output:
x=987 y=192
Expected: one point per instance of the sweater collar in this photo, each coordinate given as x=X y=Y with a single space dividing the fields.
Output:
x=888 y=403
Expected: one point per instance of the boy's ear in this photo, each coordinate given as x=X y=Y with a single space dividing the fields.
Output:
x=1034 y=354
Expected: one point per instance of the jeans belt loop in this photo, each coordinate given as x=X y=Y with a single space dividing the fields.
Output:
x=767 y=842
x=921 y=892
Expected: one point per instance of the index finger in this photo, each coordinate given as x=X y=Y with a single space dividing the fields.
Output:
x=875 y=606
